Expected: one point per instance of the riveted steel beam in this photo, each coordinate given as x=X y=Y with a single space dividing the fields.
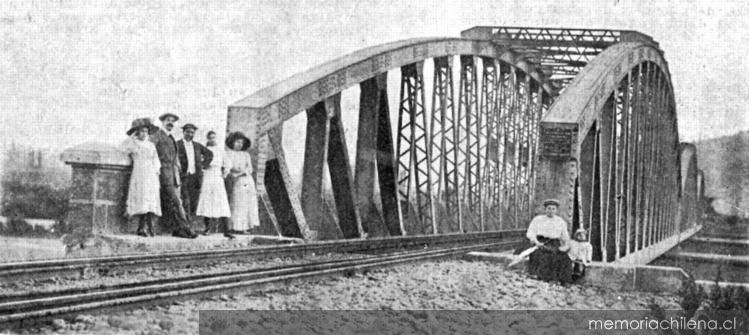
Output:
x=491 y=108
x=315 y=157
x=264 y=153
x=375 y=161
x=484 y=116
x=341 y=178
x=468 y=154
x=415 y=187
x=444 y=151
x=283 y=193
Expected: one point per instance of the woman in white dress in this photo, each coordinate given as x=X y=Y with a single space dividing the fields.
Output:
x=243 y=195
x=143 y=201
x=213 y=203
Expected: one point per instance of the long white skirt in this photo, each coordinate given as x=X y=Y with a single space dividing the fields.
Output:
x=244 y=207
x=213 y=202
x=143 y=191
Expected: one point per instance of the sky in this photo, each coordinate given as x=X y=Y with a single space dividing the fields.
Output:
x=79 y=71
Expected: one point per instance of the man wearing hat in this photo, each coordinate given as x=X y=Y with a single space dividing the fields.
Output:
x=193 y=158
x=548 y=232
x=173 y=217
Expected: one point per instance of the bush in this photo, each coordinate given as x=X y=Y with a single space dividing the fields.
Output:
x=21 y=200
x=692 y=297
x=721 y=301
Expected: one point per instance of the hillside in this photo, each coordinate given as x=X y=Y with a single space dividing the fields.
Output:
x=725 y=162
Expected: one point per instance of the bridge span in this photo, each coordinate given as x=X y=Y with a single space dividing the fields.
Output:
x=515 y=115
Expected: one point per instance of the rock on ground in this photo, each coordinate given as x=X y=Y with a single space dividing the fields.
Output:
x=445 y=285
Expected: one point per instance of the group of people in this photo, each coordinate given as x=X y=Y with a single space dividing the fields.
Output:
x=556 y=257
x=178 y=181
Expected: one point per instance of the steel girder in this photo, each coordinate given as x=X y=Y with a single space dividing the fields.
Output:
x=414 y=178
x=444 y=148
x=491 y=108
x=467 y=139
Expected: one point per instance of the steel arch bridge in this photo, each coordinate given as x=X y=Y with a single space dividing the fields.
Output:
x=514 y=115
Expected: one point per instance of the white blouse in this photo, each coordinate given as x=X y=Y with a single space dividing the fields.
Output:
x=549 y=227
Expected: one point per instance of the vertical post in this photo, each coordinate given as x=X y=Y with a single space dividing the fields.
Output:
x=619 y=123
x=528 y=153
x=373 y=163
x=590 y=188
x=315 y=156
x=284 y=196
x=413 y=151
x=650 y=145
x=264 y=151
x=387 y=165
x=485 y=118
x=468 y=140
x=340 y=172
x=631 y=161
x=501 y=132
x=641 y=156
x=605 y=143
x=491 y=184
x=514 y=147
x=443 y=147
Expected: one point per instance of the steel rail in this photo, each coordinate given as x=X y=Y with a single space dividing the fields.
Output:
x=35 y=309
x=10 y=272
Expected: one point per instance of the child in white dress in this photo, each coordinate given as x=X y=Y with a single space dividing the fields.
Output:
x=580 y=252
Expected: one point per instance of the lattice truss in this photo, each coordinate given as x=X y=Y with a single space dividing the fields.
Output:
x=473 y=169
x=631 y=192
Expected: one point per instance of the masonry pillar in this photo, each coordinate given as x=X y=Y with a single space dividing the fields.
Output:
x=100 y=179
x=557 y=167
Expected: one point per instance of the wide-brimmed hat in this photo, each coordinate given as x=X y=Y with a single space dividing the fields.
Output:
x=548 y=202
x=232 y=137
x=140 y=123
x=189 y=125
x=165 y=115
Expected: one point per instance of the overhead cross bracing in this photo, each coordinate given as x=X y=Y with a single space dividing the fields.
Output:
x=560 y=52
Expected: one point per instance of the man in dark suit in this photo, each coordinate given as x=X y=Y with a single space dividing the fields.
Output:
x=193 y=158
x=173 y=214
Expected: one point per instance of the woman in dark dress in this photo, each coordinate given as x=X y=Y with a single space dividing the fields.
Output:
x=549 y=233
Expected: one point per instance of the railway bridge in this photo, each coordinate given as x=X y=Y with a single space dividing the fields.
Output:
x=488 y=125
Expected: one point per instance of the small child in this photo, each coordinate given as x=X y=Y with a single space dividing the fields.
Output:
x=580 y=252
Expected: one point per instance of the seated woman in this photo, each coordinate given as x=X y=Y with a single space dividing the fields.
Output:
x=549 y=233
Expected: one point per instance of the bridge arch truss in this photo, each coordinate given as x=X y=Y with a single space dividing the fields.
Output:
x=610 y=150
x=462 y=163
x=515 y=115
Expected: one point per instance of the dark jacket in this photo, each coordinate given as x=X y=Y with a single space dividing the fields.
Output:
x=166 y=148
x=203 y=157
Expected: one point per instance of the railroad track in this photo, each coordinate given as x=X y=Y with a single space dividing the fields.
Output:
x=10 y=272
x=19 y=310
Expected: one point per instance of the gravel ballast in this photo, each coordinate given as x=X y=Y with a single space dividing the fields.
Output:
x=441 y=285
